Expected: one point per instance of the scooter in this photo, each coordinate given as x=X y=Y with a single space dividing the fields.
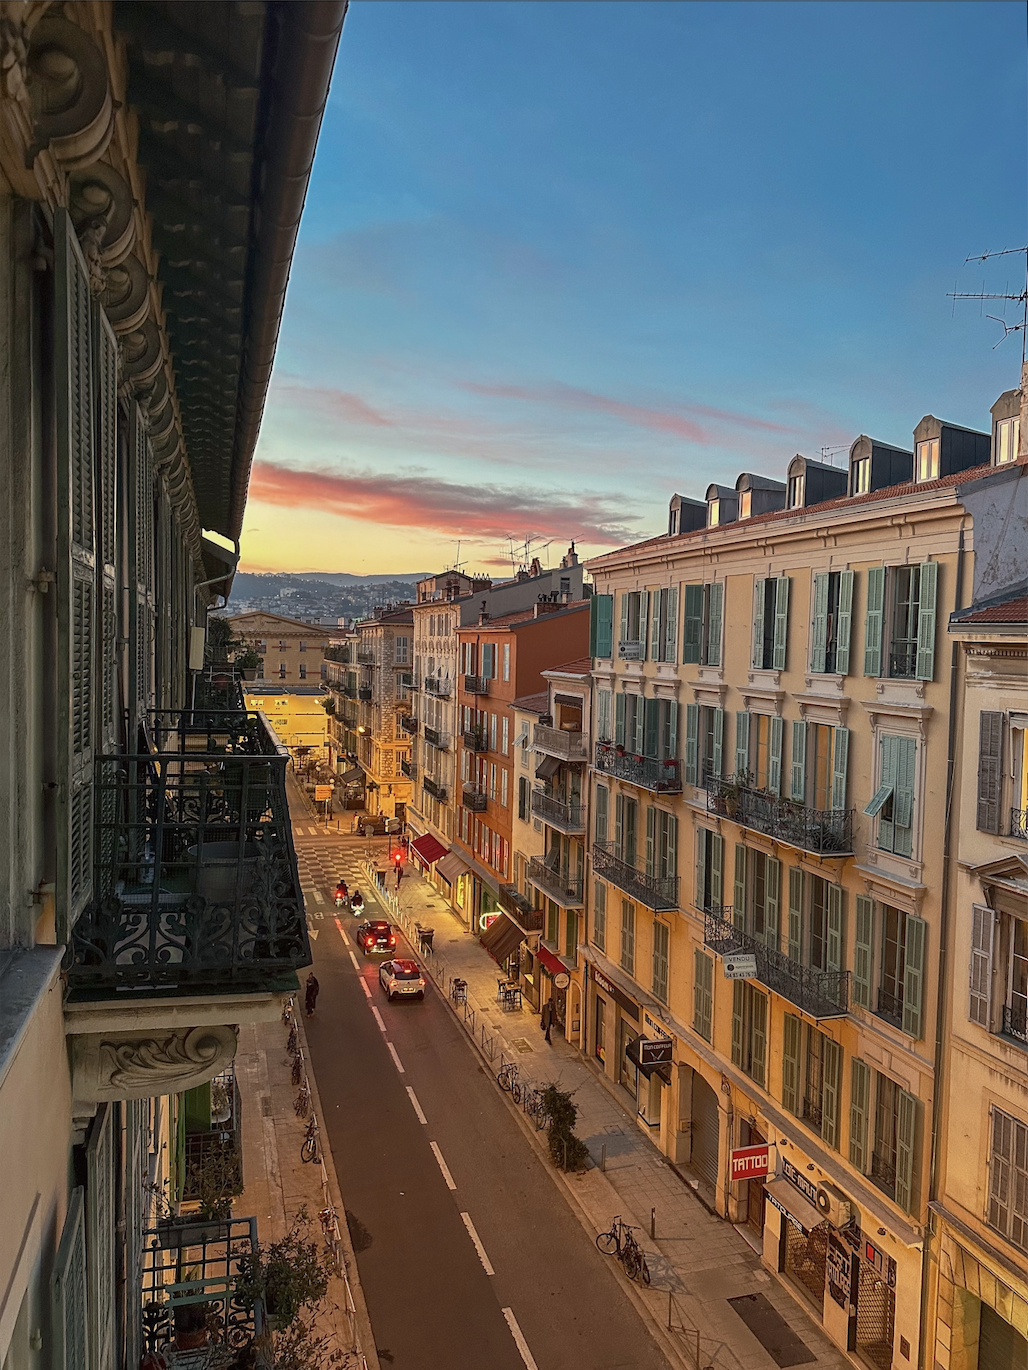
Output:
x=341 y=897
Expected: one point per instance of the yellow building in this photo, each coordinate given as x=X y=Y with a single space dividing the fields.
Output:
x=295 y=712
x=291 y=649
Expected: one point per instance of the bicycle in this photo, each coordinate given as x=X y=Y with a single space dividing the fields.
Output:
x=287 y=1012
x=620 y=1242
x=534 y=1107
x=303 y=1101
x=507 y=1079
x=293 y=1041
x=297 y=1068
x=309 y=1149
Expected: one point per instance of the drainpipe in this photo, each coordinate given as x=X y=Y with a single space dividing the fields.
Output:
x=942 y=1004
x=726 y=1090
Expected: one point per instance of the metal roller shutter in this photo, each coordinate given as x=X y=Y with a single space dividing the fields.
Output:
x=705 y=1130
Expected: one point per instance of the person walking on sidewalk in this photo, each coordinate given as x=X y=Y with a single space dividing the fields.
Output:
x=311 y=996
x=546 y=1021
x=399 y=876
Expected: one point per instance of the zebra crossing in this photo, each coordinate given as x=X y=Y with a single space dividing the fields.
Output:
x=320 y=868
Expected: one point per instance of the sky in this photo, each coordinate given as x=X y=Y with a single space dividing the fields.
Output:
x=560 y=261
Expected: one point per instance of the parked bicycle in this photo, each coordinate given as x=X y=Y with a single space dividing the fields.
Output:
x=297 y=1067
x=287 y=1012
x=507 y=1079
x=620 y=1242
x=303 y=1101
x=535 y=1108
x=309 y=1151
x=293 y=1041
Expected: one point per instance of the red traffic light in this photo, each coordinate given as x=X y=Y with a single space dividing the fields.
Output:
x=398 y=857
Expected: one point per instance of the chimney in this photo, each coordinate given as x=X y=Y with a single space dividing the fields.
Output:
x=570 y=558
x=536 y=568
x=483 y=614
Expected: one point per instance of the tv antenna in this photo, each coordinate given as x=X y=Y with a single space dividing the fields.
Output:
x=983 y=295
x=457 y=562
x=828 y=454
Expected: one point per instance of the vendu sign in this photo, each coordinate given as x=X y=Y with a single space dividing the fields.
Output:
x=750 y=1162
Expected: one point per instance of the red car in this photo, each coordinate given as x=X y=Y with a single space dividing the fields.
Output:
x=374 y=936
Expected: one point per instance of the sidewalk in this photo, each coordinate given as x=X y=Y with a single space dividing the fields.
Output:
x=698 y=1261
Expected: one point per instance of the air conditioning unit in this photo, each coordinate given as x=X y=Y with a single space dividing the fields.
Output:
x=833 y=1204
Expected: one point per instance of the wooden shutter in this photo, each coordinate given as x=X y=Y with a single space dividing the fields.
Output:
x=840 y=760
x=873 y=616
x=141 y=567
x=692 y=734
x=781 y=639
x=602 y=809
x=671 y=749
x=594 y=613
x=619 y=719
x=791 y=1038
x=739 y=905
x=758 y=1035
x=834 y=949
x=819 y=631
x=619 y=825
x=990 y=771
x=863 y=945
x=795 y=931
x=644 y=615
x=670 y=624
x=830 y=1093
x=772 y=898
x=605 y=626
x=906 y=1150
x=757 y=654
x=68 y=1301
x=980 y=1008
x=860 y=1096
x=135 y=1111
x=913 y=976
x=774 y=755
x=100 y=1190
x=625 y=598
x=669 y=846
x=703 y=993
x=631 y=816
x=742 y=746
x=887 y=786
x=717 y=867
x=657 y=625
x=718 y=742
x=715 y=615
x=639 y=731
x=692 y=626
x=651 y=839
x=702 y=893
x=651 y=728
x=105 y=355
x=738 y=987
x=844 y=623
x=927 y=597
x=798 y=767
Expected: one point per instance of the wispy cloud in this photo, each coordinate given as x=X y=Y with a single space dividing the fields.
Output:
x=341 y=404
x=458 y=510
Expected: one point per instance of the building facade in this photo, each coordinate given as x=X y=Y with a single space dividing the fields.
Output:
x=292 y=651
x=296 y=714
x=383 y=664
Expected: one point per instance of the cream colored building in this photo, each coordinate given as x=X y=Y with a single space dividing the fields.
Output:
x=383 y=664
x=295 y=712
x=292 y=650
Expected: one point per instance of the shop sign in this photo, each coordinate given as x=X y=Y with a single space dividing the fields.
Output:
x=322 y=793
x=784 y=1211
x=839 y=1268
x=655 y=1053
x=656 y=1028
x=741 y=966
x=750 y=1162
x=881 y=1260
x=486 y=920
x=561 y=980
x=799 y=1181
x=604 y=984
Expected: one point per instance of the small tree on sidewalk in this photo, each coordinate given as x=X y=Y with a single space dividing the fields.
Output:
x=567 y=1151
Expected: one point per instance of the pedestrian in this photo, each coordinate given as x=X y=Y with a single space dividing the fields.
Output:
x=546 y=1022
x=399 y=876
x=311 y=996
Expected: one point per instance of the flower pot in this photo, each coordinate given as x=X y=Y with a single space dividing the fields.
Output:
x=249 y=673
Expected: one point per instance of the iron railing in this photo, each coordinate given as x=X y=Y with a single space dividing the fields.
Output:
x=408 y=768
x=195 y=881
x=556 y=742
x=474 y=799
x=476 y=685
x=883 y=1174
x=438 y=739
x=219 y=687
x=662 y=777
x=435 y=685
x=1019 y=822
x=825 y=831
x=903 y=663
x=214 y=1156
x=364 y=694
x=190 y=1271
x=1015 y=1022
x=566 y=817
x=560 y=885
x=475 y=740
x=819 y=993
x=890 y=1007
x=409 y=723
x=521 y=909
x=365 y=658
x=659 y=893
x=433 y=788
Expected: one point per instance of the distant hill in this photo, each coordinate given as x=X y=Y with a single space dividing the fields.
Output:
x=249 y=585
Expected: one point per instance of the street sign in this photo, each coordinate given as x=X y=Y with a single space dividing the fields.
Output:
x=486 y=920
x=561 y=980
x=322 y=793
x=750 y=1162
x=655 y=1053
x=741 y=966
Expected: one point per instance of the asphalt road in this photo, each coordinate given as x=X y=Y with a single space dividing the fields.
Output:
x=468 y=1252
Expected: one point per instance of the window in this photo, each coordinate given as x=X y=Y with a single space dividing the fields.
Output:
x=814 y=924
x=283 y=645
x=505 y=733
x=999 y=961
x=661 y=954
x=628 y=936
x=401 y=650
x=890 y=949
x=1008 y=1179
x=745 y=504
x=599 y=929
x=523 y=798
x=601 y=626
x=602 y=812
x=702 y=624
x=303 y=646
x=770 y=622
x=661 y=844
x=571 y=935
x=626 y=821
x=713 y=513
x=703 y=994
x=833 y=613
x=710 y=859
x=664 y=625
x=303 y=670
x=897 y=1121
x=635 y=605
x=604 y=716
x=749 y=1029
x=893 y=801
x=503 y=786
x=928 y=459
x=1008 y=435
x=282 y=670
x=860 y=477
x=506 y=661
x=704 y=743
x=794 y=498
x=647 y=727
x=758 y=880
x=901 y=606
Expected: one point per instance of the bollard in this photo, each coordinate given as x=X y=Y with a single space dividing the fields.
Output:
x=653 y=1224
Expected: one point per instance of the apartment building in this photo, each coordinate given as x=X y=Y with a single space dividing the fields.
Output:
x=296 y=714
x=143 y=264
x=382 y=668
x=292 y=650
x=771 y=710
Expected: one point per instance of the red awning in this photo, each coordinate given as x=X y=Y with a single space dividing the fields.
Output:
x=552 y=963
x=428 y=848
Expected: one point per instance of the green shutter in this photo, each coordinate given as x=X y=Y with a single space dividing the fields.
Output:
x=692 y=627
x=791 y=1037
x=717 y=867
x=702 y=893
x=644 y=618
x=738 y=987
x=692 y=734
x=795 y=930
x=860 y=1094
x=619 y=825
x=625 y=597
x=774 y=755
x=863 y=945
x=906 y=1149
x=840 y=758
x=715 y=611
x=990 y=771
x=904 y=754
x=887 y=787
x=844 y=623
x=656 y=627
x=913 y=976
x=69 y=1319
x=604 y=626
x=873 y=621
x=830 y=1093
x=594 y=613
x=834 y=950
x=651 y=839
x=927 y=597
x=602 y=809
x=105 y=353
x=758 y=1008
x=639 y=737
x=772 y=898
x=631 y=817
x=619 y=719
x=718 y=745
x=781 y=623
x=819 y=632
x=100 y=1244
x=671 y=624
x=739 y=906
x=798 y=769
x=703 y=994
x=742 y=746
x=757 y=654
x=672 y=730
x=651 y=728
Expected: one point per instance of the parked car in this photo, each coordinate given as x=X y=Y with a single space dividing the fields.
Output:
x=401 y=978
x=376 y=935
x=371 y=825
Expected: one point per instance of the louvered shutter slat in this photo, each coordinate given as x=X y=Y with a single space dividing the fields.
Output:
x=795 y=932
x=927 y=597
x=791 y=1063
x=831 y=1089
x=833 y=951
x=873 y=621
x=844 y=626
x=757 y=654
x=718 y=744
x=737 y=1006
x=862 y=951
x=819 y=631
x=772 y=898
x=651 y=728
x=990 y=773
x=981 y=965
x=860 y=1093
x=906 y=1143
x=717 y=866
x=692 y=732
x=913 y=976
x=774 y=755
x=68 y=1298
x=692 y=625
x=798 y=767
x=781 y=639
x=742 y=746
x=715 y=618
x=840 y=761
x=739 y=902
x=671 y=624
x=758 y=1028
x=651 y=838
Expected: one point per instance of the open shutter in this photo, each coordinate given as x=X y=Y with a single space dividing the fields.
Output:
x=758 y=1041
x=798 y=768
x=737 y=1006
x=927 y=596
x=718 y=742
x=105 y=355
x=717 y=867
x=651 y=735
x=141 y=567
x=873 y=621
x=639 y=731
x=100 y=1240
x=981 y=966
x=605 y=626
x=644 y=618
x=905 y=751
x=742 y=746
x=619 y=825
x=774 y=756
x=781 y=622
x=669 y=858
x=702 y=893
x=819 y=630
x=791 y=1036
x=625 y=599
x=692 y=627
x=757 y=654
x=703 y=994
x=885 y=788
x=671 y=749
x=906 y=1147
x=772 y=898
x=651 y=839
x=863 y=945
x=594 y=614
x=739 y=904
x=715 y=615
x=990 y=772
x=68 y=1312
x=830 y=1093
x=834 y=940
x=619 y=719
x=840 y=760
x=135 y=1210
x=913 y=976
x=601 y=821
x=657 y=624
x=844 y=623
x=692 y=733
x=670 y=624
x=795 y=932
x=860 y=1096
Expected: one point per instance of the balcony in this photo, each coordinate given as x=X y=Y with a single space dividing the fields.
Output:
x=890 y=1008
x=903 y=662
x=474 y=799
x=195 y=887
x=1015 y=1023
x=662 y=777
x=475 y=741
x=568 y=818
x=348 y=691
x=436 y=686
x=568 y=746
x=659 y=893
x=219 y=687
x=214 y=1154
x=438 y=739
x=827 y=832
x=819 y=993
x=883 y=1174
x=476 y=685
x=409 y=724
x=364 y=694
x=366 y=658
x=1019 y=823
x=407 y=681
x=433 y=788
x=521 y=909
x=408 y=768
x=561 y=886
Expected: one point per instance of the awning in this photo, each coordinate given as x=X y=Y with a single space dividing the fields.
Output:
x=788 y=1200
x=633 y=1053
x=450 y=867
x=501 y=937
x=552 y=963
x=428 y=848
x=352 y=776
x=548 y=766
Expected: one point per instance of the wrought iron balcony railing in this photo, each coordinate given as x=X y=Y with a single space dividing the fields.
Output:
x=366 y=658
x=563 y=887
x=474 y=799
x=437 y=685
x=1015 y=1023
x=883 y=1174
x=409 y=724
x=659 y=893
x=829 y=832
x=195 y=882
x=192 y=1266
x=556 y=742
x=819 y=993
x=903 y=663
x=1019 y=822
x=662 y=777
x=348 y=691
x=433 y=788
x=890 y=1007
x=408 y=768
x=438 y=739
x=521 y=909
x=475 y=741
x=219 y=687
x=364 y=694
x=476 y=685
x=567 y=817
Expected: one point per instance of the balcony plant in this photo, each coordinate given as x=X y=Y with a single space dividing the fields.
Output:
x=567 y=1151
x=288 y=1276
x=220 y=640
x=249 y=663
x=190 y=1320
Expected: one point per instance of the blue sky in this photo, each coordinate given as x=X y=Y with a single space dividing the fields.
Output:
x=560 y=260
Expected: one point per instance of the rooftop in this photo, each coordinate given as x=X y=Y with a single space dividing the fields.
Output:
x=534 y=704
x=581 y=667
x=503 y=621
x=1013 y=609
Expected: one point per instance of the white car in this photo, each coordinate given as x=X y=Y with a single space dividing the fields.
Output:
x=401 y=978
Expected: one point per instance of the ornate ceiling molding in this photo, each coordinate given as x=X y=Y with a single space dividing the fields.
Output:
x=146 y=1064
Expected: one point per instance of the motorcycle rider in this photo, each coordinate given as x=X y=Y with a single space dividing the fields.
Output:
x=342 y=893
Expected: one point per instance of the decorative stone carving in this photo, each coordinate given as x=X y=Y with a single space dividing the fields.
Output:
x=141 y=1065
x=126 y=300
x=69 y=85
x=141 y=353
x=100 y=203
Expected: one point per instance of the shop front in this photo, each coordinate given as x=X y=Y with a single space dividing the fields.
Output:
x=556 y=980
x=455 y=881
x=615 y=1027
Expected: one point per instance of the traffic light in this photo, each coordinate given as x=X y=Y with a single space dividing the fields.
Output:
x=398 y=857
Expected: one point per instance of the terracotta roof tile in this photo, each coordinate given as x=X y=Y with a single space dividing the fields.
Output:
x=582 y=666
x=534 y=704
x=1010 y=611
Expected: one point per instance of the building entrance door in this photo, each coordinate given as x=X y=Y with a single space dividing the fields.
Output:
x=560 y=1010
x=755 y=1197
x=627 y=1073
x=705 y=1130
x=806 y=1256
x=1000 y=1345
x=600 y=1028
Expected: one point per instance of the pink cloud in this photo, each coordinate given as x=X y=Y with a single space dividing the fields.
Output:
x=339 y=403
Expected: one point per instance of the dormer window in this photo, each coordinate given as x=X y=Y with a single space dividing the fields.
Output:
x=672 y=523
x=861 y=476
x=745 y=504
x=1008 y=434
x=796 y=484
x=714 y=513
x=928 y=460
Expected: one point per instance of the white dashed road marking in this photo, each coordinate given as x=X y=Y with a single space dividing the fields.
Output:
x=417 y=1107
x=378 y=1019
x=519 y=1339
x=318 y=897
x=466 y=1218
x=396 y=1060
x=356 y=964
x=443 y=1166
x=365 y=987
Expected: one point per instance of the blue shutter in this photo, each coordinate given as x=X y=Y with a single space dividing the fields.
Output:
x=840 y=757
x=913 y=976
x=657 y=625
x=798 y=769
x=594 y=611
x=873 y=616
x=717 y=749
x=774 y=756
x=715 y=614
x=692 y=730
x=819 y=630
x=863 y=947
x=625 y=597
x=757 y=654
x=742 y=746
x=692 y=628
x=927 y=596
x=844 y=623
x=781 y=638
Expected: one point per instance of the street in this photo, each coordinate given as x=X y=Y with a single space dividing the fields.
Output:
x=468 y=1252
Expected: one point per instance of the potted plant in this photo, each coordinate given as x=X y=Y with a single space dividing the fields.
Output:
x=220 y=640
x=567 y=1151
x=190 y=1319
x=249 y=663
x=287 y=1276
